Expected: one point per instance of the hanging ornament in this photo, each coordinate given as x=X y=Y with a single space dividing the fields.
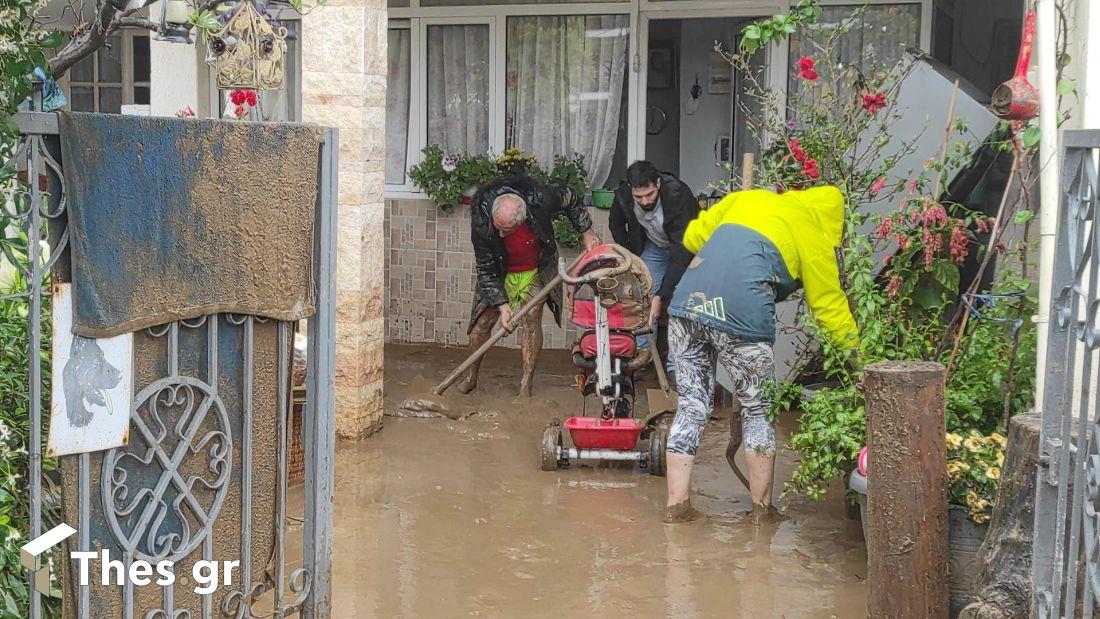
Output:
x=248 y=52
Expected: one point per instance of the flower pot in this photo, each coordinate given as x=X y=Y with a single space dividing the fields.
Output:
x=964 y=539
x=963 y=567
x=603 y=198
x=467 y=196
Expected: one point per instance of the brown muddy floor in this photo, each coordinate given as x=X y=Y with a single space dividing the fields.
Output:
x=443 y=518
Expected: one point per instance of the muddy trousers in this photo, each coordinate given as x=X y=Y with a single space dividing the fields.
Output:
x=698 y=349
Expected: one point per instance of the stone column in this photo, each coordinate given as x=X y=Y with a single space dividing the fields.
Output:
x=344 y=86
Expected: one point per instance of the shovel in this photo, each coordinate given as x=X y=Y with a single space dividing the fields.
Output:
x=661 y=401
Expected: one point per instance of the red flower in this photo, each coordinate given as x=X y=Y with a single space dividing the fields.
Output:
x=960 y=241
x=1000 y=247
x=806 y=69
x=894 y=286
x=812 y=173
x=885 y=228
x=796 y=150
x=251 y=97
x=877 y=187
x=874 y=102
x=982 y=224
x=237 y=97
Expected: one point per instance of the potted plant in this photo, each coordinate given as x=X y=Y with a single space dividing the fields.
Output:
x=974 y=463
x=450 y=180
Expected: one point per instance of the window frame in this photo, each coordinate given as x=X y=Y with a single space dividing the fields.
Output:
x=127 y=83
x=417 y=18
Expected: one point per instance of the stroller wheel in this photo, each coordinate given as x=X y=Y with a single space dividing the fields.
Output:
x=658 y=441
x=551 y=440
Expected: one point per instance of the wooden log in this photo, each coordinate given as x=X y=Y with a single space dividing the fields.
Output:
x=907 y=493
x=1004 y=582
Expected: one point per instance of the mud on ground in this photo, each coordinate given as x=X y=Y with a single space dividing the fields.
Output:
x=442 y=517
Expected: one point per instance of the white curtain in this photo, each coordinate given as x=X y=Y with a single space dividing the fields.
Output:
x=397 y=106
x=564 y=87
x=458 y=88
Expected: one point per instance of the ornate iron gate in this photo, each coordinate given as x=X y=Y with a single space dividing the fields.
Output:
x=180 y=415
x=1066 y=559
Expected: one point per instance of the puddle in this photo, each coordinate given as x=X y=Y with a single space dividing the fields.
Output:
x=437 y=517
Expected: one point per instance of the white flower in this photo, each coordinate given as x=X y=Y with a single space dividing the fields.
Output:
x=448 y=164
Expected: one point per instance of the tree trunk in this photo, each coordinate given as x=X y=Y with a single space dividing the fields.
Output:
x=907 y=547
x=1004 y=585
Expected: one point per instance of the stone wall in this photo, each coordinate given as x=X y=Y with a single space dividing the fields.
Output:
x=344 y=86
x=430 y=276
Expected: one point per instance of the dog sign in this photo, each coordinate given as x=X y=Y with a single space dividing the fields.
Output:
x=92 y=385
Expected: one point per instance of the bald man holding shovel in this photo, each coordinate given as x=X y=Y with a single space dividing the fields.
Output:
x=512 y=231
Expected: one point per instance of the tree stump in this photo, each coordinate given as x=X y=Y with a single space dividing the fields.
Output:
x=1004 y=583
x=907 y=492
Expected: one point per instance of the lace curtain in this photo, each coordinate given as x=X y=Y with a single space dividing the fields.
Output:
x=565 y=80
x=458 y=88
x=397 y=106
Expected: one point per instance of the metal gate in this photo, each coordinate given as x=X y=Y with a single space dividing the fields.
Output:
x=1066 y=560
x=180 y=415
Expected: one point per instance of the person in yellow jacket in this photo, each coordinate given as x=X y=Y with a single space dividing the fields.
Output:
x=749 y=251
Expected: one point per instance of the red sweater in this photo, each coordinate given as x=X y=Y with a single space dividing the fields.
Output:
x=523 y=249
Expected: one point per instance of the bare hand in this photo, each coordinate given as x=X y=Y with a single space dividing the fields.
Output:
x=654 y=312
x=590 y=238
x=506 y=317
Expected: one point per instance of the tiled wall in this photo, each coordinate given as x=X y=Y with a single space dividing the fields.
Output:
x=430 y=276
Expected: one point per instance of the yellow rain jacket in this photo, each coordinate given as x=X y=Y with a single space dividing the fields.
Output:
x=752 y=250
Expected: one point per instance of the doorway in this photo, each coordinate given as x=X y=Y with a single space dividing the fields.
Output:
x=695 y=100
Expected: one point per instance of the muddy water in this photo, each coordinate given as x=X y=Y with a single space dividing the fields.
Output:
x=443 y=518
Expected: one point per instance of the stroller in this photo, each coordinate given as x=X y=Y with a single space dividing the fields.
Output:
x=608 y=299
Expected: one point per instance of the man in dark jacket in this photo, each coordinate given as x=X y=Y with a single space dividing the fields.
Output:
x=651 y=211
x=512 y=230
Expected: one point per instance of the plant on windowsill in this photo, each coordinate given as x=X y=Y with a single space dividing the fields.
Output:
x=450 y=180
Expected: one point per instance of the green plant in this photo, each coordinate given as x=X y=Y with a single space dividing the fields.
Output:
x=761 y=33
x=445 y=177
x=837 y=130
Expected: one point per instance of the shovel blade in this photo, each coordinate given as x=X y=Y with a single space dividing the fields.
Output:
x=660 y=402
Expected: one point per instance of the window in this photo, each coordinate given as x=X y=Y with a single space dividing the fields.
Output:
x=458 y=88
x=398 y=90
x=565 y=80
x=876 y=39
x=116 y=74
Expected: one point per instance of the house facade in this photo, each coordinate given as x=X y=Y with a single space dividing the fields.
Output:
x=613 y=81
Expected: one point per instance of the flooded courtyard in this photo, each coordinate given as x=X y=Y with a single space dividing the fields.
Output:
x=450 y=516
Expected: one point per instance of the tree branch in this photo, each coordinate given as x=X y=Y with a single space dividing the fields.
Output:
x=91 y=39
x=136 y=22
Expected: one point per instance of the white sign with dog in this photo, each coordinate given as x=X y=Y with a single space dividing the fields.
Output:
x=92 y=385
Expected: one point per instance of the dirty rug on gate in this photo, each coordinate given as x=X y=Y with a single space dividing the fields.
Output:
x=176 y=218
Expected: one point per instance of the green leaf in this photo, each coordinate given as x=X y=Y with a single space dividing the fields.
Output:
x=1022 y=217
x=1066 y=86
x=751 y=32
x=54 y=39
x=1031 y=137
x=947 y=274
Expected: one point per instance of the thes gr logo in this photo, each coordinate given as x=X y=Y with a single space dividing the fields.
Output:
x=31 y=555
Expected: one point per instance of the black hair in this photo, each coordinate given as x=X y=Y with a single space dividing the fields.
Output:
x=642 y=174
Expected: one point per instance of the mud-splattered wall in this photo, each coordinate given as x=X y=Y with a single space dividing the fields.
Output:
x=344 y=86
x=430 y=276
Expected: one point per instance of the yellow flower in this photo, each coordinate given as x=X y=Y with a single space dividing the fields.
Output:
x=1000 y=440
x=993 y=472
x=974 y=444
x=956 y=469
x=1000 y=458
x=979 y=518
x=954 y=440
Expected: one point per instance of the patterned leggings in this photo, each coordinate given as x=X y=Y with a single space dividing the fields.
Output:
x=696 y=348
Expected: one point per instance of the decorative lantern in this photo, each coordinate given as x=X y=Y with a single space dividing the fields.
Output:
x=174 y=25
x=248 y=52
